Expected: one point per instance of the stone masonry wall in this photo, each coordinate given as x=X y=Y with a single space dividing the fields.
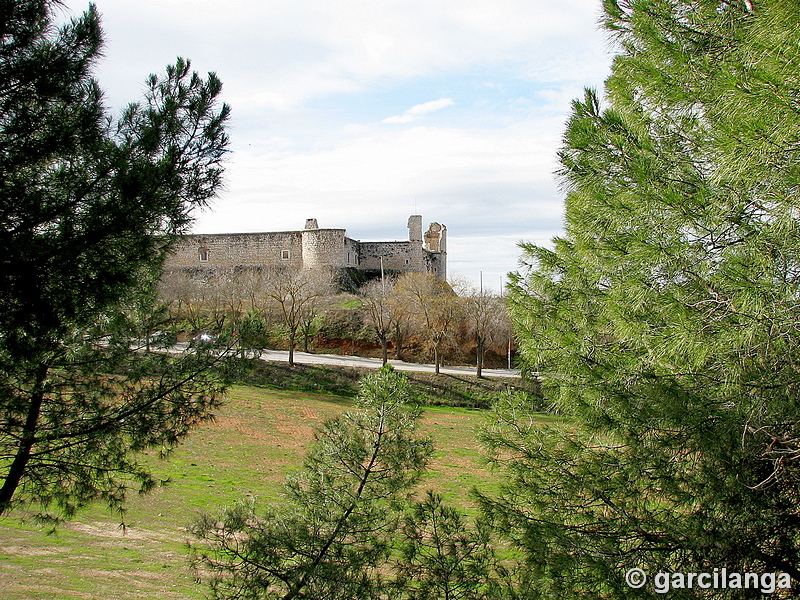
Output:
x=323 y=248
x=435 y=263
x=312 y=247
x=351 y=253
x=227 y=250
x=397 y=256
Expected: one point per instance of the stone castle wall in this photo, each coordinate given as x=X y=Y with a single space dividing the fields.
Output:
x=352 y=256
x=313 y=247
x=436 y=264
x=323 y=248
x=229 y=250
x=396 y=256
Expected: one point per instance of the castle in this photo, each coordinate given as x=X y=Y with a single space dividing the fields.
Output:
x=314 y=247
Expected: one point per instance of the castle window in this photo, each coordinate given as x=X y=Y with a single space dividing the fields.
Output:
x=284 y=254
x=203 y=254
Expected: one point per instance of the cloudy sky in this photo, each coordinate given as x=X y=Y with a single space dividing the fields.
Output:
x=360 y=113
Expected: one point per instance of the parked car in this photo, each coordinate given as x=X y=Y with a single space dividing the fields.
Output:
x=203 y=338
x=162 y=339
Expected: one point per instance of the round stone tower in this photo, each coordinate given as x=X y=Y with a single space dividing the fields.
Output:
x=322 y=247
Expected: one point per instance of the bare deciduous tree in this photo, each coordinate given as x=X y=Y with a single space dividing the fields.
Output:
x=294 y=293
x=433 y=305
x=379 y=313
x=487 y=321
x=185 y=297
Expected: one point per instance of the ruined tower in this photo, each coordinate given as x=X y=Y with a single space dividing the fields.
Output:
x=416 y=255
x=436 y=250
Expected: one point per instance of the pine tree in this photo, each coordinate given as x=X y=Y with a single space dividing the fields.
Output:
x=88 y=208
x=443 y=557
x=664 y=323
x=333 y=534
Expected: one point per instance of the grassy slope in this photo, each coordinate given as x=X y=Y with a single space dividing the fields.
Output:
x=446 y=390
x=257 y=438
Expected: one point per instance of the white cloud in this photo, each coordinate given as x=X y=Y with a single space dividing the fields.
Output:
x=420 y=110
x=470 y=179
x=303 y=78
x=277 y=54
x=491 y=257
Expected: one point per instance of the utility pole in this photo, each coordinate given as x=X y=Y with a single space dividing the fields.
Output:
x=481 y=307
x=508 y=352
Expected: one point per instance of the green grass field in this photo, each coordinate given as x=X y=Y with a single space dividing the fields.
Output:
x=257 y=438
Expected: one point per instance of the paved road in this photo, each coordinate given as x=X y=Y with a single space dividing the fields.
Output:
x=375 y=363
x=305 y=358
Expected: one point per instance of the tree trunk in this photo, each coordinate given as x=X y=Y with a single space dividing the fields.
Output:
x=296 y=588
x=291 y=349
x=398 y=346
x=479 y=351
x=17 y=468
x=384 y=350
x=436 y=358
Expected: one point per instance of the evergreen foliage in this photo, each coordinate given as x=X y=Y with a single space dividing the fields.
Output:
x=665 y=322
x=334 y=532
x=441 y=557
x=88 y=207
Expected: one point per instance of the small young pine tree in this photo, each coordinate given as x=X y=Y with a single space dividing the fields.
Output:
x=334 y=531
